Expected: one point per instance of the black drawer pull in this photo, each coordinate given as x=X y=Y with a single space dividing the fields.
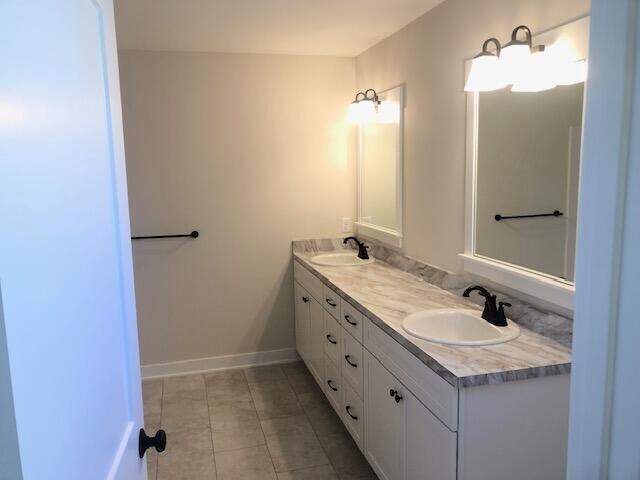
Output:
x=349 y=321
x=348 y=409
x=331 y=302
x=331 y=339
x=347 y=358
x=330 y=383
x=395 y=394
x=305 y=299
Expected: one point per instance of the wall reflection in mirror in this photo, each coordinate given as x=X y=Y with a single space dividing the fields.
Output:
x=380 y=170
x=528 y=162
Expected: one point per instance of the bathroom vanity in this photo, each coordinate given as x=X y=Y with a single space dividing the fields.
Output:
x=420 y=410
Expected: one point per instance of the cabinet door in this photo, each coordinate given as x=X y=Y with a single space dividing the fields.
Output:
x=385 y=421
x=302 y=300
x=431 y=446
x=317 y=339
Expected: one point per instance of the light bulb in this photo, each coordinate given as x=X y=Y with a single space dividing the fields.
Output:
x=485 y=74
x=536 y=74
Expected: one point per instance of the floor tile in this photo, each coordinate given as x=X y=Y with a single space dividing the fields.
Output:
x=313 y=399
x=189 y=456
x=304 y=384
x=295 y=451
x=183 y=383
x=324 y=472
x=295 y=425
x=235 y=425
x=227 y=387
x=151 y=422
x=324 y=420
x=294 y=368
x=152 y=395
x=267 y=373
x=245 y=464
x=238 y=438
x=345 y=457
x=152 y=464
x=228 y=416
x=185 y=410
x=224 y=378
x=274 y=400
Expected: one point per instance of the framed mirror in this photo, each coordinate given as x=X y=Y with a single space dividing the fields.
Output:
x=523 y=167
x=380 y=170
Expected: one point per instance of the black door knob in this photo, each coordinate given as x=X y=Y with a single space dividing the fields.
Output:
x=159 y=442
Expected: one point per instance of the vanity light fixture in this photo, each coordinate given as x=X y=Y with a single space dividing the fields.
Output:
x=364 y=108
x=525 y=67
x=516 y=54
x=486 y=71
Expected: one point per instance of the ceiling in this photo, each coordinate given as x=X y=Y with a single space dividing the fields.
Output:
x=299 y=27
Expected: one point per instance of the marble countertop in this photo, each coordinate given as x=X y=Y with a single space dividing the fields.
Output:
x=386 y=295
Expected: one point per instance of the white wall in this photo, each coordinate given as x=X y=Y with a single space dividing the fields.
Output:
x=428 y=57
x=253 y=151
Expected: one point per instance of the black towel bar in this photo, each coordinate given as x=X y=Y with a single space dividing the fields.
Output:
x=194 y=234
x=556 y=213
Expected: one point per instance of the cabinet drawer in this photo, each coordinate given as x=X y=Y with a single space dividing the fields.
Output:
x=331 y=302
x=434 y=392
x=352 y=369
x=333 y=385
x=308 y=280
x=333 y=335
x=351 y=320
x=353 y=414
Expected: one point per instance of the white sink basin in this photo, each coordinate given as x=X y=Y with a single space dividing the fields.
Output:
x=346 y=259
x=458 y=327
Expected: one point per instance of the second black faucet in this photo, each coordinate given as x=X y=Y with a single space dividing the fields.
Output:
x=362 y=248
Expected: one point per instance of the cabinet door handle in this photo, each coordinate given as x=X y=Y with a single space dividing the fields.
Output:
x=330 y=383
x=347 y=358
x=348 y=409
x=349 y=321
x=395 y=394
x=331 y=302
x=331 y=339
x=305 y=299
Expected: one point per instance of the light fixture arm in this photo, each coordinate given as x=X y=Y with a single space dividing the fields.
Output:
x=373 y=97
x=485 y=47
x=514 y=36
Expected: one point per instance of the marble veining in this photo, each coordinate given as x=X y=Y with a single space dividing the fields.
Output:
x=386 y=294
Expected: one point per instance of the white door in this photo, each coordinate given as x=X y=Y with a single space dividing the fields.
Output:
x=431 y=447
x=385 y=421
x=65 y=254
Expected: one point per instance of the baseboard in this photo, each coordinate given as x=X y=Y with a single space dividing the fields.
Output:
x=226 y=362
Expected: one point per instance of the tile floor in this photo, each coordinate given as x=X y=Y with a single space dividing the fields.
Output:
x=259 y=423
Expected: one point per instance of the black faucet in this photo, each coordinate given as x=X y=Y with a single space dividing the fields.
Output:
x=362 y=248
x=491 y=313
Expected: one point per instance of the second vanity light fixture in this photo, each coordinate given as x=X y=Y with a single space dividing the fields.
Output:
x=525 y=67
x=364 y=108
x=367 y=108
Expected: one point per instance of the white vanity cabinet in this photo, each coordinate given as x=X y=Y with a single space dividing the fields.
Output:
x=409 y=422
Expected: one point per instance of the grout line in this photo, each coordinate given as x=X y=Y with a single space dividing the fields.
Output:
x=206 y=399
x=266 y=445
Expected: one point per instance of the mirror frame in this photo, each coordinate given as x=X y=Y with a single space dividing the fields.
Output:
x=386 y=235
x=557 y=293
